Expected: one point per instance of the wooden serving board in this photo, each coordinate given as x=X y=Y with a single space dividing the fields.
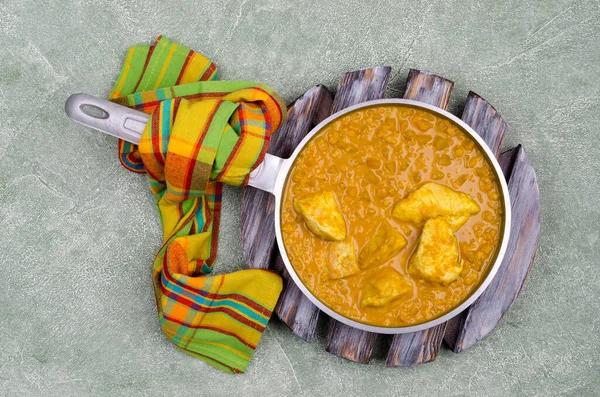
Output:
x=470 y=326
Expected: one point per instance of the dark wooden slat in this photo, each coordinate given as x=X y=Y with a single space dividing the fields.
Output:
x=427 y=87
x=257 y=208
x=485 y=120
x=452 y=329
x=350 y=343
x=507 y=161
x=356 y=87
x=488 y=123
x=293 y=308
x=423 y=346
x=360 y=86
x=481 y=317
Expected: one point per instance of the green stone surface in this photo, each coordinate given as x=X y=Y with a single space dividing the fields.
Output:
x=78 y=232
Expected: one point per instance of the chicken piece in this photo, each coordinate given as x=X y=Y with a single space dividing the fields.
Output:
x=433 y=200
x=384 y=287
x=436 y=257
x=342 y=260
x=322 y=215
x=385 y=244
x=456 y=221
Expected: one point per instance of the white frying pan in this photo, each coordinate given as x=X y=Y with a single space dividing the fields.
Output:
x=271 y=176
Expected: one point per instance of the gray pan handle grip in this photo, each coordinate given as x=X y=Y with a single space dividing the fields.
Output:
x=105 y=116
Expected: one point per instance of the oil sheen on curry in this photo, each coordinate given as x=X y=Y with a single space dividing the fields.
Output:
x=391 y=215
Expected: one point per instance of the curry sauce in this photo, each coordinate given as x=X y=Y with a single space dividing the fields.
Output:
x=369 y=160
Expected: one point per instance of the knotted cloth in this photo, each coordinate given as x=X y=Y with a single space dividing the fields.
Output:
x=201 y=133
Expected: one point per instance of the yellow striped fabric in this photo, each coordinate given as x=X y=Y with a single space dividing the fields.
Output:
x=200 y=134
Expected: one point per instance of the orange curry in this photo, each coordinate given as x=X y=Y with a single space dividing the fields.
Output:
x=391 y=215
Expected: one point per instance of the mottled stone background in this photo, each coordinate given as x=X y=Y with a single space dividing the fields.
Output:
x=78 y=232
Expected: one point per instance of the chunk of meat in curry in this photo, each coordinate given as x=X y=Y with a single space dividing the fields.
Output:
x=436 y=257
x=385 y=244
x=383 y=287
x=433 y=200
x=322 y=215
x=342 y=260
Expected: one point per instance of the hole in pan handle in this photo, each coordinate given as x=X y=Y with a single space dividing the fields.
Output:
x=107 y=117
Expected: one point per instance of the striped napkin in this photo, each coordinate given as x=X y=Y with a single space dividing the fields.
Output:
x=201 y=133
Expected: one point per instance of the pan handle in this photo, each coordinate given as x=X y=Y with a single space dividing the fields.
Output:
x=108 y=117
x=265 y=175
x=128 y=124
